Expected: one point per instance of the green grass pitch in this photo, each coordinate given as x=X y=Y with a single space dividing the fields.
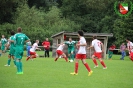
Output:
x=45 y=73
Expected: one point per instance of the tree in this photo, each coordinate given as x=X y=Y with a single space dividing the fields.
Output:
x=45 y=4
x=7 y=9
x=123 y=29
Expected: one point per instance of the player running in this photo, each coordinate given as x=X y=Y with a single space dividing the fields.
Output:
x=12 y=49
x=71 y=48
x=19 y=39
x=32 y=51
x=60 y=52
x=97 y=44
x=130 y=48
x=81 y=54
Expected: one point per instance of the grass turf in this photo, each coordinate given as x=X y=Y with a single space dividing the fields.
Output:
x=45 y=73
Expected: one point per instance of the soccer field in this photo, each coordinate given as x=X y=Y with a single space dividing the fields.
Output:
x=45 y=73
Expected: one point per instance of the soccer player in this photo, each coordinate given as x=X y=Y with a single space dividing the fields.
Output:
x=3 y=44
x=129 y=45
x=81 y=54
x=32 y=50
x=97 y=44
x=71 y=48
x=130 y=48
x=28 y=46
x=110 y=51
x=46 y=45
x=60 y=52
x=131 y=54
x=12 y=50
x=19 y=39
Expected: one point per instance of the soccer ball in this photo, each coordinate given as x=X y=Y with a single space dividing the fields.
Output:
x=71 y=60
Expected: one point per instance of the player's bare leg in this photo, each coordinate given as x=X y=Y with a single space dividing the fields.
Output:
x=57 y=56
x=64 y=56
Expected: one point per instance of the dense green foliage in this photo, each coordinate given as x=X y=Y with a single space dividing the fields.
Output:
x=43 y=18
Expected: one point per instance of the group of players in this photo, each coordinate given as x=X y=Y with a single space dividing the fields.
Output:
x=81 y=53
x=16 y=43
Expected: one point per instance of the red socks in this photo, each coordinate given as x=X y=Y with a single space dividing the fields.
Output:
x=55 y=59
x=87 y=67
x=33 y=56
x=103 y=64
x=95 y=62
x=28 y=58
x=76 y=67
x=66 y=59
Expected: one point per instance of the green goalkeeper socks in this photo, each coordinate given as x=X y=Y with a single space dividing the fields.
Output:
x=21 y=70
x=18 y=66
x=14 y=62
x=8 y=62
x=72 y=57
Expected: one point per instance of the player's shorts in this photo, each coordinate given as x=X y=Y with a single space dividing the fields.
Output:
x=81 y=56
x=70 y=50
x=12 y=51
x=59 y=52
x=131 y=54
x=98 y=55
x=19 y=52
x=2 y=48
x=32 y=53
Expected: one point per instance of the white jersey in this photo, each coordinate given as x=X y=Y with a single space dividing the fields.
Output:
x=129 y=45
x=97 y=45
x=82 y=49
x=131 y=51
x=61 y=47
x=34 y=46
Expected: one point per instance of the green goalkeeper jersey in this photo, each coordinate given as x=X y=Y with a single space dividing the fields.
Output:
x=71 y=44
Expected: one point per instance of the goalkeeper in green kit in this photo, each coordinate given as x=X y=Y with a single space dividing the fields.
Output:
x=71 y=49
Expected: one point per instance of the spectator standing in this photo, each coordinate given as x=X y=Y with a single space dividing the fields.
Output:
x=46 y=45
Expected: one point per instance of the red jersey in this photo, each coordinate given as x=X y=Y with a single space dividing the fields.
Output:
x=46 y=44
x=112 y=47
